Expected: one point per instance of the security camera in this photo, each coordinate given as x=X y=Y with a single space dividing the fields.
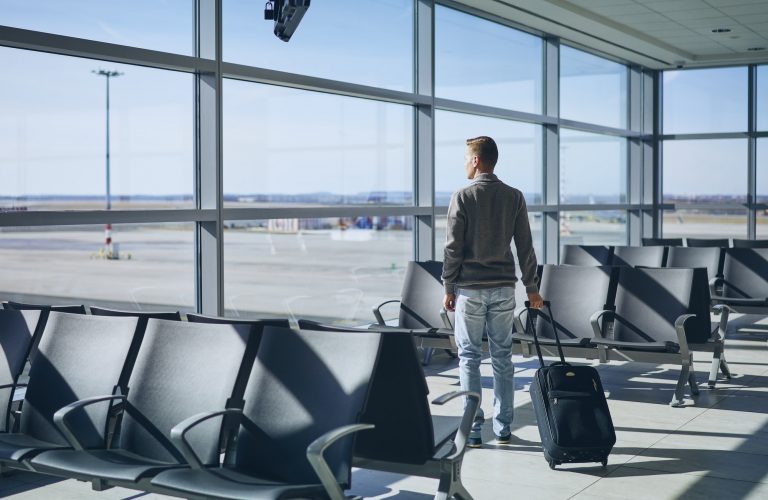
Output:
x=679 y=64
x=287 y=15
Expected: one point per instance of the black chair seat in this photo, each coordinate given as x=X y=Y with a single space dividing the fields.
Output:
x=663 y=346
x=228 y=483
x=567 y=342
x=444 y=428
x=116 y=465
x=15 y=446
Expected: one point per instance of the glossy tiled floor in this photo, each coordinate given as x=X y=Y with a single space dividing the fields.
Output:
x=715 y=448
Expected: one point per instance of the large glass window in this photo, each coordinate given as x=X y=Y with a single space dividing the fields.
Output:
x=705 y=171
x=483 y=62
x=65 y=265
x=592 y=89
x=698 y=223
x=762 y=98
x=705 y=100
x=329 y=270
x=368 y=42
x=762 y=186
x=593 y=168
x=519 y=144
x=345 y=151
x=53 y=134
x=599 y=227
x=166 y=25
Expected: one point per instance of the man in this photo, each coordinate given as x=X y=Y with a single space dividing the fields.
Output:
x=479 y=278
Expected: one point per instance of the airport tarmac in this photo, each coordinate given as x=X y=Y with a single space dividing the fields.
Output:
x=327 y=275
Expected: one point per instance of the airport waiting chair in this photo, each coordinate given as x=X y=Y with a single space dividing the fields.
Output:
x=661 y=316
x=181 y=370
x=739 y=243
x=407 y=437
x=707 y=257
x=17 y=330
x=420 y=308
x=662 y=242
x=78 y=357
x=575 y=292
x=744 y=282
x=45 y=310
x=304 y=398
x=587 y=255
x=648 y=256
x=707 y=242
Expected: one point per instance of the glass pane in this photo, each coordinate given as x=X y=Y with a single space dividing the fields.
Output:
x=53 y=135
x=592 y=89
x=705 y=224
x=519 y=165
x=534 y=219
x=604 y=227
x=166 y=25
x=155 y=270
x=762 y=224
x=346 y=151
x=329 y=270
x=483 y=62
x=593 y=168
x=762 y=170
x=762 y=98
x=705 y=100
x=369 y=43
x=704 y=171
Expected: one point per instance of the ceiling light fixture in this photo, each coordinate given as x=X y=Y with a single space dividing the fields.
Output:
x=721 y=30
x=755 y=49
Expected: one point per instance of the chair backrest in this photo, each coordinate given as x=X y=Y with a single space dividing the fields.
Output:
x=141 y=326
x=651 y=300
x=745 y=273
x=79 y=356
x=575 y=292
x=586 y=255
x=707 y=257
x=662 y=242
x=406 y=435
x=649 y=256
x=45 y=310
x=17 y=330
x=707 y=242
x=422 y=295
x=303 y=384
x=182 y=369
x=737 y=243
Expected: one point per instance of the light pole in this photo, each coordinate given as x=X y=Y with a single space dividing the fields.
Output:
x=108 y=227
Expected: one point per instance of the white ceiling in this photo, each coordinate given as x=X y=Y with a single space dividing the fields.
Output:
x=655 y=33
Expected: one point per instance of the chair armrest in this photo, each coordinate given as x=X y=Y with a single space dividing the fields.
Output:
x=61 y=417
x=714 y=283
x=738 y=301
x=722 y=327
x=682 y=341
x=315 y=457
x=179 y=433
x=446 y=320
x=597 y=327
x=377 y=311
x=518 y=319
x=473 y=401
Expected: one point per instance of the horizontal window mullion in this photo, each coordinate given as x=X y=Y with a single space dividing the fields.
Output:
x=76 y=218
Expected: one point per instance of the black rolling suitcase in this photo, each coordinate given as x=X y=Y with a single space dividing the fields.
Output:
x=571 y=411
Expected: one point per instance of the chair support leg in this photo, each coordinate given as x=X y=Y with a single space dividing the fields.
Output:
x=724 y=367
x=677 y=399
x=692 y=382
x=427 y=355
x=716 y=363
x=450 y=481
x=99 y=485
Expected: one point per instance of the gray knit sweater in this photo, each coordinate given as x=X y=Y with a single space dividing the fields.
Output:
x=483 y=219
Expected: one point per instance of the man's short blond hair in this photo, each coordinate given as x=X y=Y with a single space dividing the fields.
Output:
x=485 y=149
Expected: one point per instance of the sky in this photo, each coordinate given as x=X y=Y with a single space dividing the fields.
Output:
x=285 y=141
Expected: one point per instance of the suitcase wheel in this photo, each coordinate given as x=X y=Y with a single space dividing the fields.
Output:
x=552 y=464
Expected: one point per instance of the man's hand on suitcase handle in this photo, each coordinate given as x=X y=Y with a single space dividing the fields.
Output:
x=535 y=301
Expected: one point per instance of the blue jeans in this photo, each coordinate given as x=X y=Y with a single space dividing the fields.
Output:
x=490 y=310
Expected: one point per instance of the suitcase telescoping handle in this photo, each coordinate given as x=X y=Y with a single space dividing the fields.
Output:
x=529 y=324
